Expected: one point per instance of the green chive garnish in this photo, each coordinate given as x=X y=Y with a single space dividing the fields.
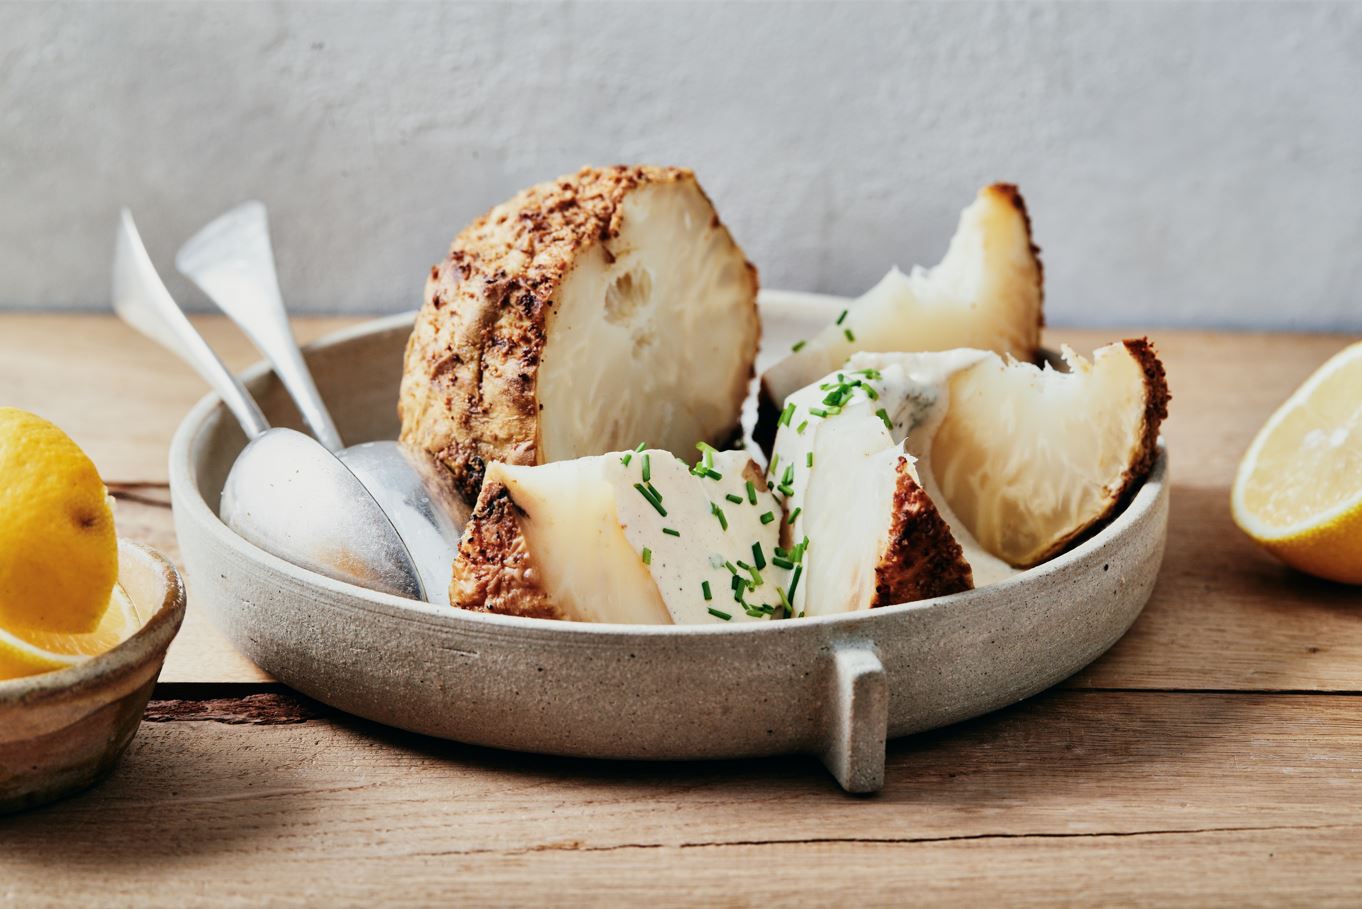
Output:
x=798 y=346
x=767 y=518
x=794 y=514
x=871 y=392
x=788 y=477
x=704 y=585
x=736 y=500
x=655 y=502
x=782 y=562
x=801 y=427
x=794 y=581
x=751 y=492
x=719 y=513
x=756 y=576
x=786 y=414
x=808 y=459
x=647 y=468
x=647 y=556
x=843 y=316
x=731 y=567
x=850 y=337
x=758 y=558
x=770 y=468
x=818 y=411
x=718 y=614
x=785 y=489
x=884 y=416
x=671 y=531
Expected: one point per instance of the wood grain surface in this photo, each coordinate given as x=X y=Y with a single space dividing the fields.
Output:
x=1212 y=758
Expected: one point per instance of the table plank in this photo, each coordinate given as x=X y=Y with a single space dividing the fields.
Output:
x=1108 y=797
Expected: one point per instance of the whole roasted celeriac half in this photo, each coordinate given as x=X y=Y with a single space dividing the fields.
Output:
x=1014 y=462
x=627 y=537
x=986 y=293
x=578 y=317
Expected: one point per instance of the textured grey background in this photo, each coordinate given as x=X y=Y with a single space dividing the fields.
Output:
x=1185 y=163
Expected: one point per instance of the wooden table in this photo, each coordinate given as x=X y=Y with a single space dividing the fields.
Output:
x=1213 y=757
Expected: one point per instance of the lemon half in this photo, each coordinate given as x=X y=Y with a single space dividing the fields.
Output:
x=1298 y=491
x=58 y=549
x=32 y=652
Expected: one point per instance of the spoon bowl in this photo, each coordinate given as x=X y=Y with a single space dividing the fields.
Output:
x=286 y=493
x=232 y=261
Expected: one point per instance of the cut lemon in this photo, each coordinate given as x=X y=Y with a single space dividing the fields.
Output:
x=1298 y=492
x=31 y=652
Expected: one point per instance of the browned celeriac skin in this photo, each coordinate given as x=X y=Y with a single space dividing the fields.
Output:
x=923 y=559
x=469 y=391
x=494 y=571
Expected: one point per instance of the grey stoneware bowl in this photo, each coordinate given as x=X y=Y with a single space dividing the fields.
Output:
x=63 y=731
x=836 y=686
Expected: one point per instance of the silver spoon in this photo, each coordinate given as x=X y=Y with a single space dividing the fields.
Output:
x=285 y=493
x=231 y=260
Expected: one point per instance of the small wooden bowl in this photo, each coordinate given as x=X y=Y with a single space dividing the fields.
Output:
x=63 y=731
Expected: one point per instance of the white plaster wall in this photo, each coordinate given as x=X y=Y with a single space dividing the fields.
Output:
x=1185 y=163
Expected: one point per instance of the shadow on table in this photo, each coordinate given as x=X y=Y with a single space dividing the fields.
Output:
x=177 y=792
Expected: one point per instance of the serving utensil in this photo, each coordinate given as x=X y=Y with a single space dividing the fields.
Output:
x=231 y=260
x=286 y=493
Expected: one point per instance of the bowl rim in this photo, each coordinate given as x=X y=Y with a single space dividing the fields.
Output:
x=190 y=504
x=146 y=644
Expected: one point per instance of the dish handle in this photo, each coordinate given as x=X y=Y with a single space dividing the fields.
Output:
x=858 y=719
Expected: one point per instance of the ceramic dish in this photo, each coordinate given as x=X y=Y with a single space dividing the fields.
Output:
x=834 y=686
x=63 y=731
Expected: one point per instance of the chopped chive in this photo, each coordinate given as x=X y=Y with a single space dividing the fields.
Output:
x=751 y=492
x=782 y=562
x=871 y=392
x=786 y=414
x=798 y=346
x=770 y=468
x=737 y=582
x=701 y=470
x=818 y=411
x=731 y=567
x=801 y=427
x=842 y=317
x=655 y=502
x=756 y=576
x=629 y=456
x=788 y=476
x=719 y=614
x=736 y=500
x=808 y=459
x=758 y=558
x=767 y=518
x=647 y=556
x=704 y=585
x=653 y=489
x=671 y=531
x=784 y=599
x=785 y=489
x=884 y=415
x=640 y=446
x=782 y=553
x=719 y=513
x=794 y=581
x=647 y=468
x=794 y=514
x=849 y=336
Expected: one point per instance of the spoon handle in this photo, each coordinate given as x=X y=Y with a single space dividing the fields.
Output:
x=231 y=261
x=141 y=300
